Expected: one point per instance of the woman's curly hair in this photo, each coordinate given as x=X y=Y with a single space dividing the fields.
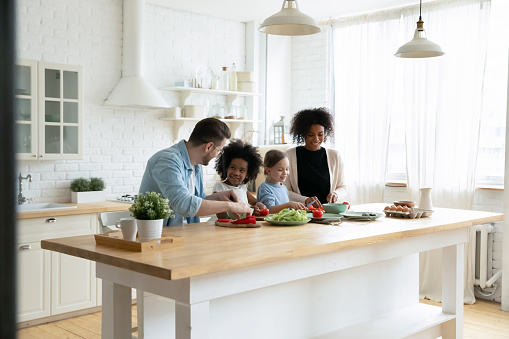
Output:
x=238 y=149
x=302 y=121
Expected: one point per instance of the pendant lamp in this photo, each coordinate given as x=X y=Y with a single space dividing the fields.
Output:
x=289 y=21
x=419 y=46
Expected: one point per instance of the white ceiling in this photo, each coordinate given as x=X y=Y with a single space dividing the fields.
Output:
x=258 y=10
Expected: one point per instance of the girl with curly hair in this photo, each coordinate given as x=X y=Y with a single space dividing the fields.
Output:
x=317 y=173
x=238 y=164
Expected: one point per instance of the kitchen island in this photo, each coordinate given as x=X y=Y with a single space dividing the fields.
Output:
x=356 y=280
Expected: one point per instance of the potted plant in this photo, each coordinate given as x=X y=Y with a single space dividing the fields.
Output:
x=149 y=210
x=87 y=190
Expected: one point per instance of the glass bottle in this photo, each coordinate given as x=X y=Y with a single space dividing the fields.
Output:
x=233 y=78
x=225 y=79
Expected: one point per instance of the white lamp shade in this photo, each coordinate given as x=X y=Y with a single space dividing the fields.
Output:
x=419 y=47
x=289 y=21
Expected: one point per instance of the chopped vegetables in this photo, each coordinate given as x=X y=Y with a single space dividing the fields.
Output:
x=248 y=220
x=290 y=215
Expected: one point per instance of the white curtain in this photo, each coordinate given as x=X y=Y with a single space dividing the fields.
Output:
x=442 y=98
x=364 y=75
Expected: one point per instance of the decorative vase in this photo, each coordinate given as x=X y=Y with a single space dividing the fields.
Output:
x=425 y=201
x=149 y=229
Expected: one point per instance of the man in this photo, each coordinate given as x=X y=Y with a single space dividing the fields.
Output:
x=176 y=173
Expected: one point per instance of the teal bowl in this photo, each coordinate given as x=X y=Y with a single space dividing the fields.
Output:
x=335 y=207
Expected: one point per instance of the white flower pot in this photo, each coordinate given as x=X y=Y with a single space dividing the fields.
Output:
x=149 y=229
x=92 y=196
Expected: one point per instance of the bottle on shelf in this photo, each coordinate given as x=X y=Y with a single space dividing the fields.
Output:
x=225 y=79
x=233 y=78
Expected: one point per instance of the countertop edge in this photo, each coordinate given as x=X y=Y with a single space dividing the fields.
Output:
x=85 y=208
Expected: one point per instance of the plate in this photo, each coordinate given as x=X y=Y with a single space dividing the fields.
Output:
x=362 y=215
x=286 y=223
x=204 y=76
x=326 y=216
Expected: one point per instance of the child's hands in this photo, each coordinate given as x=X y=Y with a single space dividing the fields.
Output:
x=296 y=205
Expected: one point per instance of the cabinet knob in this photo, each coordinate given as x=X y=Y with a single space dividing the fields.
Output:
x=35 y=155
x=41 y=156
x=51 y=220
x=25 y=247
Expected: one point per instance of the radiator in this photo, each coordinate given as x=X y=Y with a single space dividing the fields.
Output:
x=482 y=242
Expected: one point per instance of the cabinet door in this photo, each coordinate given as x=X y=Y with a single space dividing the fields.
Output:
x=33 y=285
x=26 y=109
x=73 y=283
x=60 y=111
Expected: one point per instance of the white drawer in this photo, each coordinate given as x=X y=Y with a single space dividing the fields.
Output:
x=33 y=230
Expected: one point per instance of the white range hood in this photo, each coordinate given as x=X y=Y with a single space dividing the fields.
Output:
x=133 y=89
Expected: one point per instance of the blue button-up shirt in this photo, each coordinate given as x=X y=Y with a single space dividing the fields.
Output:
x=168 y=172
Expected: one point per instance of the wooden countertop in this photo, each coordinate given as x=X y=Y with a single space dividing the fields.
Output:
x=91 y=207
x=207 y=248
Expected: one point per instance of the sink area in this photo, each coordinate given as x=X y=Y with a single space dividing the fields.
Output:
x=45 y=206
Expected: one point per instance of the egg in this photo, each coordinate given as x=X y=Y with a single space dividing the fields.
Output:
x=405 y=209
x=392 y=208
x=387 y=208
x=399 y=208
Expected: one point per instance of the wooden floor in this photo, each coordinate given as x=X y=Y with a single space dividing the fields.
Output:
x=483 y=320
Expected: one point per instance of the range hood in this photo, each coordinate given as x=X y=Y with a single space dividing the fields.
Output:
x=133 y=89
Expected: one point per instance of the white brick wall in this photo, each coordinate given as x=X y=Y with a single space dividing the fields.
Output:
x=119 y=141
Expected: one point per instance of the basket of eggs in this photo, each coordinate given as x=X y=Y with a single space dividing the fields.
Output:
x=406 y=209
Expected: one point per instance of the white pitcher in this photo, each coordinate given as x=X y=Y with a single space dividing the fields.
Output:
x=425 y=200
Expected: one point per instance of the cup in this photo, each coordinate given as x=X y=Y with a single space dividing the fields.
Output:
x=174 y=112
x=128 y=227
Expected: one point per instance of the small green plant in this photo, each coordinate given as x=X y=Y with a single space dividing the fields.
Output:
x=80 y=185
x=87 y=185
x=97 y=184
x=151 y=206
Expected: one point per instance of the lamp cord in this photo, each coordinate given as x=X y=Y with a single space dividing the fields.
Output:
x=420 y=7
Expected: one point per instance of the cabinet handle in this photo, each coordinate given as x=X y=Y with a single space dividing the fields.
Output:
x=51 y=220
x=41 y=156
x=25 y=247
x=35 y=155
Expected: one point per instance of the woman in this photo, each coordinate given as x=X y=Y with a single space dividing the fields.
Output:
x=316 y=173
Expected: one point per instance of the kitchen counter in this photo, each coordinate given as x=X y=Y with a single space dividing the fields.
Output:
x=312 y=278
x=87 y=208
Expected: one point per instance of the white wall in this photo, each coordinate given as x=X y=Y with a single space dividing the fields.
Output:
x=119 y=141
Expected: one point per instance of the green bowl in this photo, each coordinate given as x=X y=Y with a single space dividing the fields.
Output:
x=335 y=207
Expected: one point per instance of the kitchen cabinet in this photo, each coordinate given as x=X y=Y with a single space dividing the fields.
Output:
x=231 y=96
x=33 y=281
x=49 y=114
x=53 y=283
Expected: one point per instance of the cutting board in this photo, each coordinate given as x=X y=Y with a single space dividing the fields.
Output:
x=229 y=224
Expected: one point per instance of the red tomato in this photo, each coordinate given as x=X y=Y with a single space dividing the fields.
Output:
x=224 y=220
x=248 y=220
x=264 y=212
x=317 y=214
x=311 y=208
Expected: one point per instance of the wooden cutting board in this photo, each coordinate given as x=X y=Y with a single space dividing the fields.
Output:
x=229 y=224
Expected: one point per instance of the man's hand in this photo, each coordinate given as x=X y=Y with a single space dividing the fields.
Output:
x=223 y=196
x=237 y=208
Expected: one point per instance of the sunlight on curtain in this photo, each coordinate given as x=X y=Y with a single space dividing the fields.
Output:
x=364 y=74
x=442 y=99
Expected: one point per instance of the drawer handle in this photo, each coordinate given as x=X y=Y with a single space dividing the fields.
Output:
x=51 y=220
x=25 y=247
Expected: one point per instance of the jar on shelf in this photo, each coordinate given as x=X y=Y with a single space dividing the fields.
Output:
x=241 y=112
x=225 y=79
x=216 y=111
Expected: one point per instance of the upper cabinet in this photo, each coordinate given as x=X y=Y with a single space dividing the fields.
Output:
x=52 y=128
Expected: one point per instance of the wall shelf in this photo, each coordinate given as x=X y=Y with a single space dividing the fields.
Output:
x=235 y=124
x=186 y=92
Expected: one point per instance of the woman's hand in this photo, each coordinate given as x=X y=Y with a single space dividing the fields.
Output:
x=316 y=202
x=237 y=208
x=332 y=197
x=296 y=205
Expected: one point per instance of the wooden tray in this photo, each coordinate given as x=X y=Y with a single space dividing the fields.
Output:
x=229 y=224
x=114 y=239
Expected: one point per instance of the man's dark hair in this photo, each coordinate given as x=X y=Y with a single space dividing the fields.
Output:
x=302 y=121
x=209 y=130
x=238 y=149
